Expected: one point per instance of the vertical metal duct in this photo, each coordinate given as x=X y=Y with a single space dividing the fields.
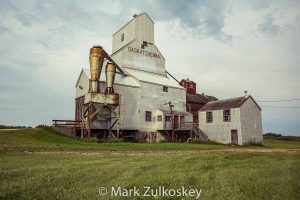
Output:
x=110 y=73
x=97 y=56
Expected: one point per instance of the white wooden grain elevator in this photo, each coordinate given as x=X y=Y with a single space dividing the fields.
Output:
x=151 y=105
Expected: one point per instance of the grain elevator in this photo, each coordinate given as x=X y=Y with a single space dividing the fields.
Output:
x=128 y=94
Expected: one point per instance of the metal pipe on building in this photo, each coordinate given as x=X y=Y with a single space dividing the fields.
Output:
x=97 y=55
x=110 y=73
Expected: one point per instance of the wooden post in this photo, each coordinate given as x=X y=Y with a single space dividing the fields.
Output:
x=89 y=119
x=118 y=117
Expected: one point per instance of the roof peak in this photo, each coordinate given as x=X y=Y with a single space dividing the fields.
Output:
x=230 y=99
x=134 y=17
x=235 y=102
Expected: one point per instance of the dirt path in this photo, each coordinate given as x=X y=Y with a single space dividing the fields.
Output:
x=168 y=153
x=10 y=129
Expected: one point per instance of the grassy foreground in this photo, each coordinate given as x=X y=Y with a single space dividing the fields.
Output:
x=40 y=164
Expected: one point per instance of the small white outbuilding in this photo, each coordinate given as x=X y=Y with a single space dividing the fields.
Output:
x=232 y=121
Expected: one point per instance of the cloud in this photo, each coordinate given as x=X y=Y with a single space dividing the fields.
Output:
x=204 y=19
x=268 y=26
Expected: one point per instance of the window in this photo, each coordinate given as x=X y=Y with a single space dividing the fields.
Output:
x=148 y=116
x=226 y=115
x=165 y=88
x=144 y=45
x=209 y=117
x=168 y=118
x=122 y=37
x=159 y=118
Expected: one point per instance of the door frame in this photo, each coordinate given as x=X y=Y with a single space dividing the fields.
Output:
x=175 y=121
x=234 y=136
x=182 y=121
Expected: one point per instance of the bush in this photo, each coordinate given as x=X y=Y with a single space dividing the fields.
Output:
x=12 y=127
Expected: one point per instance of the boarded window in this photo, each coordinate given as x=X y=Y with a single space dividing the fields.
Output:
x=226 y=115
x=209 y=117
x=165 y=88
x=148 y=116
x=122 y=37
x=159 y=118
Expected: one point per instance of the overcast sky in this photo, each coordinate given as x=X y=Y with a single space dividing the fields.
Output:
x=225 y=46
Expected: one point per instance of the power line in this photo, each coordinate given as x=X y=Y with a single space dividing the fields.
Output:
x=281 y=106
x=281 y=100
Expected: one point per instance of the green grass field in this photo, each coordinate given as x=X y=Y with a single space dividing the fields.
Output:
x=41 y=164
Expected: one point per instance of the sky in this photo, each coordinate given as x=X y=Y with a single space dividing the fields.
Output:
x=225 y=46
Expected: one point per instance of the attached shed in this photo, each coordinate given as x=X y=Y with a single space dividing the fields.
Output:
x=232 y=121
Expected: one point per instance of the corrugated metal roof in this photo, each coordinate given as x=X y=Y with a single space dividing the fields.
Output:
x=211 y=98
x=153 y=78
x=119 y=79
x=199 y=98
x=226 y=103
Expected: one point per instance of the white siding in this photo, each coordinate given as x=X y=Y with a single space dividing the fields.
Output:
x=140 y=28
x=129 y=117
x=129 y=35
x=251 y=122
x=219 y=130
x=83 y=81
x=140 y=61
x=158 y=125
x=144 y=28
x=136 y=100
x=152 y=97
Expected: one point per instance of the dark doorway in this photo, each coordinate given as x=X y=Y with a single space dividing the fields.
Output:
x=234 y=136
x=181 y=122
x=175 y=122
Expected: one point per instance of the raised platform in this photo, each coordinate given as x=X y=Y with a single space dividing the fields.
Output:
x=112 y=99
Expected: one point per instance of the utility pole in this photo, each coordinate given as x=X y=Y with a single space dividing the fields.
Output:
x=172 y=118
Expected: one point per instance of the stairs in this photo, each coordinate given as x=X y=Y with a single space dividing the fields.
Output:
x=199 y=133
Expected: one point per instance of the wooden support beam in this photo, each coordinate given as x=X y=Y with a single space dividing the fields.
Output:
x=95 y=113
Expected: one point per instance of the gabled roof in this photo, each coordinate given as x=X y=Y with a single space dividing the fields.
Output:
x=126 y=45
x=119 y=78
x=227 y=103
x=153 y=78
x=79 y=77
x=143 y=13
x=116 y=52
x=199 y=98
x=211 y=98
